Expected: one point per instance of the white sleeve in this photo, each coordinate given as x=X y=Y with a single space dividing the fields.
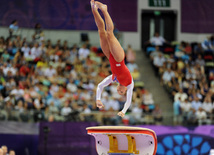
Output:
x=128 y=97
x=162 y=39
x=103 y=84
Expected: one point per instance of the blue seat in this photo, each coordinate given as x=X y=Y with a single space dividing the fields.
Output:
x=150 y=49
x=1 y=87
x=14 y=50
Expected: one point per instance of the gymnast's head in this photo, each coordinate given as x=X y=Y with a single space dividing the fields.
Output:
x=121 y=89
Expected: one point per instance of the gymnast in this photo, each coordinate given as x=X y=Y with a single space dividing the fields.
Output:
x=115 y=53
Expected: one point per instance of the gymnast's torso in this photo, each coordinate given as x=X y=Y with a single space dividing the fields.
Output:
x=120 y=72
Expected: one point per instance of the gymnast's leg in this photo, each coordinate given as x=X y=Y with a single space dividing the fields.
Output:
x=114 y=45
x=101 y=29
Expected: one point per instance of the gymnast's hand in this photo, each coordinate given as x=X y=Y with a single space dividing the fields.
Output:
x=99 y=104
x=121 y=114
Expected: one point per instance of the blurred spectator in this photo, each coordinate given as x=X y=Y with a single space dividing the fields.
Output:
x=177 y=112
x=192 y=118
x=5 y=56
x=157 y=40
x=138 y=96
x=158 y=62
x=5 y=150
x=50 y=71
x=38 y=35
x=136 y=114
x=1 y=152
x=168 y=76
x=116 y=32
x=66 y=110
x=186 y=108
x=147 y=98
x=201 y=116
x=12 y=152
x=208 y=43
x=112 y=104
x=147 y=115
x=14 y=29
x=158 y=115
x=83 y=52
x=36 y=52
x=130 y=54
x=200 y=61
x=196 y=103
x=26 y=50
x=181 y=95
x=135 y=74
x=155 y=53
x=131 y=66
x=207 y=106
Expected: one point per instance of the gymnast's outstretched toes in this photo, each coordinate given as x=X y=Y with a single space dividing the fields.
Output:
x=93 y=5
x=101 y=6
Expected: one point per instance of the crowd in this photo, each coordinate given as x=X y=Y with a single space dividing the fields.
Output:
x=45 y=81
x=186 y=72
x=4 y=151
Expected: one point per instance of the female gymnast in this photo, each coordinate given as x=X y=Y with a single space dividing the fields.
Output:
x=115 y=53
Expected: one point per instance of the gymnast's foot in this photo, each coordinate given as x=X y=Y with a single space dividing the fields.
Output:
x=101 y=6
x=93 y=5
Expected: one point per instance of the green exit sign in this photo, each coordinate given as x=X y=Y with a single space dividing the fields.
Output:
x=159 y=3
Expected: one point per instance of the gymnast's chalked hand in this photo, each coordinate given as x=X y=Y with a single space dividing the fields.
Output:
x=121 y=114
x=99 y=104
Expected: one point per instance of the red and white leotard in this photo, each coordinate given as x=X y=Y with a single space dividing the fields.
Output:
x=121 y=74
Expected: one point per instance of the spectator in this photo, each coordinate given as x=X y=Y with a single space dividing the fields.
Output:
x=66 y=110
x=26 y=50
x=158 y=62
x=24 y=70
x=5 y=150
x=38 y=35
x=83 y=52
x=5 y=56
x=130 y=54
x=112 y=104
x=14 y=29
x=50 y=72
x=186 y=108
x=200 y=61
x=170 y=60
x=12 y=152
x=196 y=103
x=1 y=152
x=116 y=32
x=177 y=112
x=207 y=106
x=55 y=100
x=201 y=116
x=204 y=89
x=131 y=66
x=71 y=86
x=135 y=74
x=157 y=40
x=36 y=52
x=181 y=95
x=158 y=115
x=136 y=114
x=155 y=53
x=168 y=76
x=147 y=113
x=147 y=98
x=192 y=118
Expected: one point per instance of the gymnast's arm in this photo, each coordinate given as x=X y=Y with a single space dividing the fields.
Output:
x=128 y=97
x=103 y=84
